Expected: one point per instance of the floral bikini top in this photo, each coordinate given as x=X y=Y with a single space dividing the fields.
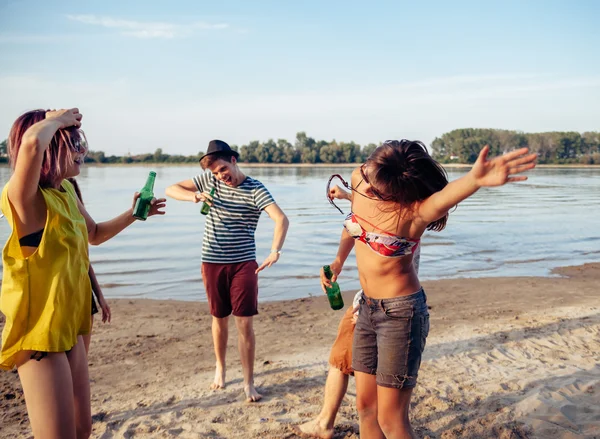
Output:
x=385 y=245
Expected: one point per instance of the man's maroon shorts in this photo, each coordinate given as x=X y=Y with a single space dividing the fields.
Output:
x=231 y=288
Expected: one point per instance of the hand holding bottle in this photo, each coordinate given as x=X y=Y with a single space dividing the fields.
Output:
x=156 y=205
x=208 y=201
x=202 y=197
x=144 y=202
x=334 y=294
x=336 y=269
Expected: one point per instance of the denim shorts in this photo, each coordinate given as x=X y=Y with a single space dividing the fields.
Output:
x=389 y=339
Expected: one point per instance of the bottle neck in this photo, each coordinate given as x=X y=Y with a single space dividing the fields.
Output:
x=149 y=186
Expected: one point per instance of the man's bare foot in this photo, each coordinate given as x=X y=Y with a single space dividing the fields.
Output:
x=251 y=394
x=313 y=429
x=219 y=382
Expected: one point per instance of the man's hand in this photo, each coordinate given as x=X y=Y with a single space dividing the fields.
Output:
x=271 y=259
x=202 y=197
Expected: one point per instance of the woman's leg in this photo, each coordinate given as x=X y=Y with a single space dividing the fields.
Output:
x=366 y=404
x=48 y=388
x=88 y=338
x=392 y=414
x=364 y=363
x=403 y=326
x=81 y=389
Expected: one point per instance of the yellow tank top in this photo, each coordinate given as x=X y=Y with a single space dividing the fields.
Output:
x=46 y=298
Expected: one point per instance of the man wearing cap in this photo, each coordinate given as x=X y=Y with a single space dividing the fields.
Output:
x=229 y=267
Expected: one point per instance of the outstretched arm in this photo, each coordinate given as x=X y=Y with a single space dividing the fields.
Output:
x=281 y=227
x=102 y=232
x=186 y=191
x=495 y=172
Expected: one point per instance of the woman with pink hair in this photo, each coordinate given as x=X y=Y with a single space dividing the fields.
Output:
x=46 y=291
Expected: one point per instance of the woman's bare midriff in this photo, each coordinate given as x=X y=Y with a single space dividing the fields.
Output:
x=385 y=278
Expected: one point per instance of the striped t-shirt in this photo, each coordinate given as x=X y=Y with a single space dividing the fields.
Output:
x=232 y=219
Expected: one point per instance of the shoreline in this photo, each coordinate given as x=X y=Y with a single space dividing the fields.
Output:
x=309 y=165
x=506 y=357
x=553 y=273
x=558 y=273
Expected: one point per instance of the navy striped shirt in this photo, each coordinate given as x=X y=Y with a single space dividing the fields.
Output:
x=232 y=220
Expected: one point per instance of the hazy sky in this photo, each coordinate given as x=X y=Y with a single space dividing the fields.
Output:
x=175 y=74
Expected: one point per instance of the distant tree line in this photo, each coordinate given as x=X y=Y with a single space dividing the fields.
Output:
x=463 y=145
x=304 y=150
x=458 y=146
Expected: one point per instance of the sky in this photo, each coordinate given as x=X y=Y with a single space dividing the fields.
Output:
x=176 y=74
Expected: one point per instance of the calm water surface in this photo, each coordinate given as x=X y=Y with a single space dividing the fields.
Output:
x=522 y=229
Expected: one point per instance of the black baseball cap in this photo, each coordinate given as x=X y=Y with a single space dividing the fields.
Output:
x=218 y=146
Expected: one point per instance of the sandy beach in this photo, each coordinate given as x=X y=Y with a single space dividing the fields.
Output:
x=506 y=358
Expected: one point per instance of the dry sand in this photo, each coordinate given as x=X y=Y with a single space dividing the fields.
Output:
x=506 y=358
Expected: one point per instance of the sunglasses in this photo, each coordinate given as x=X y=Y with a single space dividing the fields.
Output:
x=327 y=188
x=377 y=194
x=77 y=146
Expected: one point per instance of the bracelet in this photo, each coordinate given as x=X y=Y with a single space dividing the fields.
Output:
x=276 y=251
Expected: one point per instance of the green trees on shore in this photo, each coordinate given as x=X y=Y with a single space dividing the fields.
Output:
x=4 y=151
x=458 y=146
x=463 y=145
x=304 y=150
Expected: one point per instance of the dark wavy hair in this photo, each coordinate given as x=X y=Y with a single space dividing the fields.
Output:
x=403 y=172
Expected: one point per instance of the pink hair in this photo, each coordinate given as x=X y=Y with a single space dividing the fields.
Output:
x=65 y=144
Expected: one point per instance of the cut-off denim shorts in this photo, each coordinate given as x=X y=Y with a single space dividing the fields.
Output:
x=389 y=339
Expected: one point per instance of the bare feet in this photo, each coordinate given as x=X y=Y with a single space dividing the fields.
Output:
x=219 y=382
x=313 y=429
x=251 y=394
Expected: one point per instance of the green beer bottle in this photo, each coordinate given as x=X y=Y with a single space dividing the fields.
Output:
x=333 y=293
x=205 y=205
x=142 y=204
